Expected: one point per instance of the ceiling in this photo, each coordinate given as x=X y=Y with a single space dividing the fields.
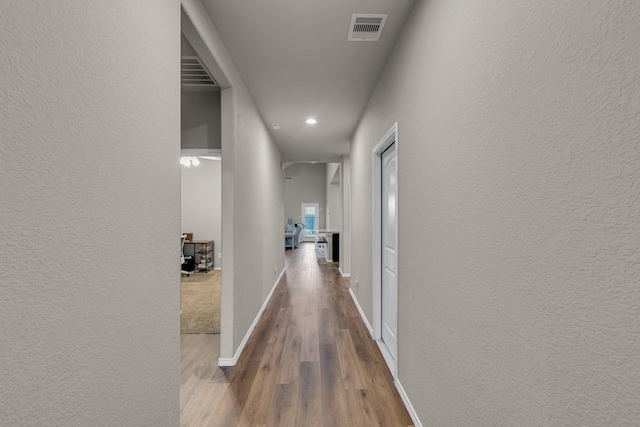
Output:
x=296 y=61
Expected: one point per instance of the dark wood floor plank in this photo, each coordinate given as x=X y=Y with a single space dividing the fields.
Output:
x=279 y=330
x=353 y=371
x=228 y=412
x=309 y=408
x=258 y=402
x=366 y=348
x=391 y=409
x=367 y=408
x=240 y=378
x=283 y=406
x=327 y=327
x=334 y=405
x=310 y=361
x=290 y=361
x=310 y=350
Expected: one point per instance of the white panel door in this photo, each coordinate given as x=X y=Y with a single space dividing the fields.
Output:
x=389 y=259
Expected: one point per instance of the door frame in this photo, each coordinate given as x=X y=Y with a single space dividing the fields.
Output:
x=389 y=138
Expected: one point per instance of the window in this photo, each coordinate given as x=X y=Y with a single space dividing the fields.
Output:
x=310 y=213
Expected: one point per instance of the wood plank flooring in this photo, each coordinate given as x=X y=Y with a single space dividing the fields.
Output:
x=309 y=362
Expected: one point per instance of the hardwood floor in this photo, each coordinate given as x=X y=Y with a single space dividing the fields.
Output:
x=309 y=362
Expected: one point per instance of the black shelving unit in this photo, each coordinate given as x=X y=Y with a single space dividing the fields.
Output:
x=202 y=253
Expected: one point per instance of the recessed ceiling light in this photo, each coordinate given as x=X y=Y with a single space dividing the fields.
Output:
x=311 y=121
x=276 y=126
x=313 y=161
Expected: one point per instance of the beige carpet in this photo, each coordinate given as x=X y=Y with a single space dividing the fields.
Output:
x=200 y=301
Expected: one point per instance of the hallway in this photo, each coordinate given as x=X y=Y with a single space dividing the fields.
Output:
x=309 y=362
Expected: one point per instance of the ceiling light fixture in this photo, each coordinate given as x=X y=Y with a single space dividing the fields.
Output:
x=276 y=126
x=313 y=161
x=311 y=121
x=188 y=161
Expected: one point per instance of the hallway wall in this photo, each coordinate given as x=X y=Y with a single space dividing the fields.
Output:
x=89 y=213
x=345 y=236
x=519 y=215
x=334 y=196
x=258 y=214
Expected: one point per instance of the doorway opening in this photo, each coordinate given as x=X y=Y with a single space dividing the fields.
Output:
x=310 y=214
x=196 y=33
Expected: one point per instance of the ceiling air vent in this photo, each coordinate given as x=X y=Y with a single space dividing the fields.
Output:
x=194 y=74
x=366 y=27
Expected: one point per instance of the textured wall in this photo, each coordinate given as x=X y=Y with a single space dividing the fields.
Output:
x=201 y=203
x=519 y=176
x=89 y=181
x=365 y=138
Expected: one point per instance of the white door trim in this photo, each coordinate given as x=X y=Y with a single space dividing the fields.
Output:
x=386 y=141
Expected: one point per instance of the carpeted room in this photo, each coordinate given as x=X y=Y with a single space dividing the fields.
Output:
x=200 y=303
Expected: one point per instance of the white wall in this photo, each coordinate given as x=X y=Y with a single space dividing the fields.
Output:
x=201 y=200
x=334 y=197
x=345 y=235
x=252 y=189
x=89 y=180
x=258 y=213
x=307 y=185
x=519 y=215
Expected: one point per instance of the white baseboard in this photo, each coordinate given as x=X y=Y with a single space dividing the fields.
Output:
x=342 y=274
x=388 y=359
x=217 y=268
x=364 y=318
x=408 y=405
x=226 y=361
